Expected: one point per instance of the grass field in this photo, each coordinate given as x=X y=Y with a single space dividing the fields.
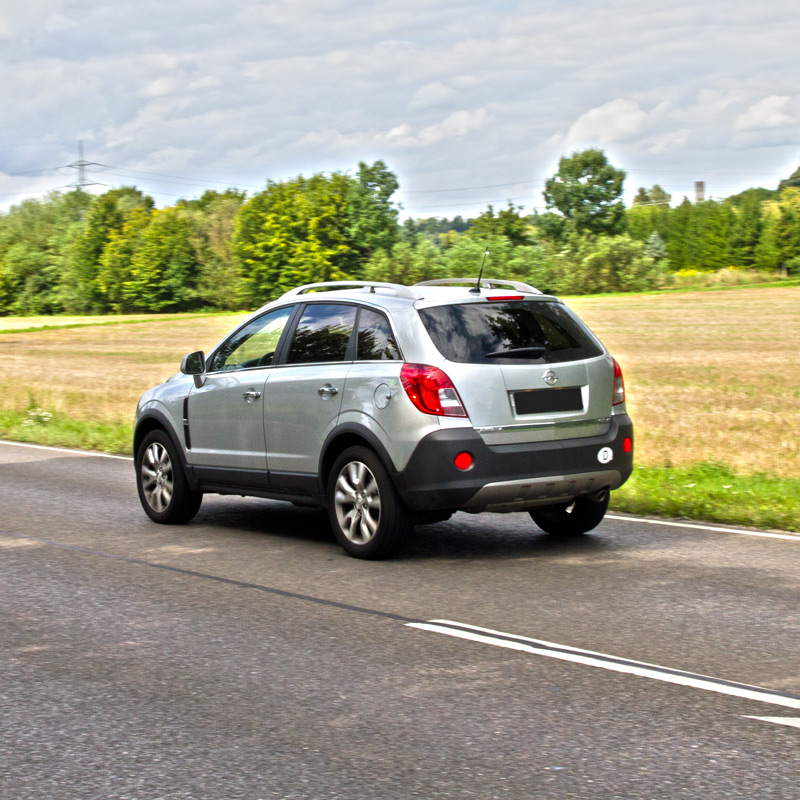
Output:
x=713 y=378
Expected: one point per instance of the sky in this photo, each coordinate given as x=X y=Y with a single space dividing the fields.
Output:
x=468 y=103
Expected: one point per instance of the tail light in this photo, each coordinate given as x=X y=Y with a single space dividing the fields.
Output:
x=619 y=386
x=431 y=391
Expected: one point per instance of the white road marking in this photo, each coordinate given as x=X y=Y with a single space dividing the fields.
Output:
x=613 y=663
x=65 y=450
x=792 y=722
x=697 y=527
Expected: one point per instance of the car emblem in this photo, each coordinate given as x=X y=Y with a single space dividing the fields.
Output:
x=550 y=378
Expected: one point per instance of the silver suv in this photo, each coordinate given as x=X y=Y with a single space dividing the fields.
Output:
x=391 y=406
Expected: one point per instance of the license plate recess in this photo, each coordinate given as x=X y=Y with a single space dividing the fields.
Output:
x=544 y=401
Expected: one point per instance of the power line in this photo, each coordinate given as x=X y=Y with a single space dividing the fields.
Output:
x=81 y=165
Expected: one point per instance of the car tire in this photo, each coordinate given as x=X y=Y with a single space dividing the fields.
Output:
x=164 y=492
x=571 y=519
x=368 y=518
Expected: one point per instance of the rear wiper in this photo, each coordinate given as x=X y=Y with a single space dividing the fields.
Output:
x=518 y=352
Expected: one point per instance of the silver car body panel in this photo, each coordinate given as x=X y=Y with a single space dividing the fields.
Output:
x=227 y=420
x=301 y=406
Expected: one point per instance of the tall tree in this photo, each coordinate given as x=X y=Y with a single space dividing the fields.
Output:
x=586 y=190
x=105 y=216
x=313 y=229
x=34 y=245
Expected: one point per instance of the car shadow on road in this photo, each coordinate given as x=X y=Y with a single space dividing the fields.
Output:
x=495 y=537
x=463 y=537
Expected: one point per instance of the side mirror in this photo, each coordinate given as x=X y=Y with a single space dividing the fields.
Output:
x=194 y=364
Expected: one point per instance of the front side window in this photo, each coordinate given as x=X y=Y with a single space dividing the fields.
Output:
x=323 y=334
x=254 y=345
x=533 y=332
x=375 y=339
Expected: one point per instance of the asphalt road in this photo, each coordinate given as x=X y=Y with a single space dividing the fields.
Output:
x=246 y=656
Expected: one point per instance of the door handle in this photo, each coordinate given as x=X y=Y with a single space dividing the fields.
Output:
x=251 y=394
x=327 y=390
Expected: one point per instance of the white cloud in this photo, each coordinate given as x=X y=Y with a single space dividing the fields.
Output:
x=616 y=121
x=432 y=95
x=771 y=112
x=453 y=94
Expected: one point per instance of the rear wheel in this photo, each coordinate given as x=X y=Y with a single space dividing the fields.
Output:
x=368 y=518
x=571 y=519
x=163 y=489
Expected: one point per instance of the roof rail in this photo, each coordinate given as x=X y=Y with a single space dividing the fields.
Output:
x=486 y=283
x=398 y=289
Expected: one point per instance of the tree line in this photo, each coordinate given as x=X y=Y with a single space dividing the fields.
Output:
x=116 y=252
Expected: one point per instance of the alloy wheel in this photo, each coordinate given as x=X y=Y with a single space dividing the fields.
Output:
x=357 y=502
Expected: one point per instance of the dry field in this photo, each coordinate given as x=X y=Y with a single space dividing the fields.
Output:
x=711 y=376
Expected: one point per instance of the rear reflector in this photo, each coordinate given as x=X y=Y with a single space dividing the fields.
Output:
x=627 y=444
x=463 y=460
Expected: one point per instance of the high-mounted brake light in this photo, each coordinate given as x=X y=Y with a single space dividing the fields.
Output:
x=431 y=391
x=619 y=386
x=497 y=298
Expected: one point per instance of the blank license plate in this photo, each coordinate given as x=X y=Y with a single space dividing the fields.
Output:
x=542 y=401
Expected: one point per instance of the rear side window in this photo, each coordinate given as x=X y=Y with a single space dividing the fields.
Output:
x=539 y=332
x=322 y=334
x=375 y=339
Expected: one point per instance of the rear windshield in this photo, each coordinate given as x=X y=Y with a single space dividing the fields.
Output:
x=519 y=332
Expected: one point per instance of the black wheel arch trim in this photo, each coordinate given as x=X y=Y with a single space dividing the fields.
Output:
x=162 y=423
x=362 y=432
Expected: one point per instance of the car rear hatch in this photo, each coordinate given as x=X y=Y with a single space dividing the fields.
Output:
x=527 y=369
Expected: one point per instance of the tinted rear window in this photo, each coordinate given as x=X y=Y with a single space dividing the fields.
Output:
x=539 y=332
x=322 y=334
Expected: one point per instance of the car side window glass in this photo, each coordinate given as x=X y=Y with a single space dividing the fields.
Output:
x=375 y=339
x=322 y=334
x=254 y=345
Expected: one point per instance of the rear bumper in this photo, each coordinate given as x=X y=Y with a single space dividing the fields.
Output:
x=512 y=477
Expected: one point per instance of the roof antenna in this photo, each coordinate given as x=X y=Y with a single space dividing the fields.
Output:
x=477 y=289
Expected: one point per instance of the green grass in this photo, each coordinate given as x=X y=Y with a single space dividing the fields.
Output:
x=43 y=427
x=8 y=324
x=711 y=492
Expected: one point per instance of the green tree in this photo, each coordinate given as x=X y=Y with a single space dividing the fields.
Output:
x=586 y=191
x=164 y=268
x=592 y=265
x=320 y=228
x=115 y=273
x=372 y=215
x=793 y=181
x=34 y=242
x=409 y=262
x=506 y=222
x=787 y=231
x=655 y=196
x=746 y=229
x=105 y=216
x=213 y=220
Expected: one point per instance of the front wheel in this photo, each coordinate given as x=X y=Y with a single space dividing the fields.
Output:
x=368 y=518
x=571 y=519
x=163 y=489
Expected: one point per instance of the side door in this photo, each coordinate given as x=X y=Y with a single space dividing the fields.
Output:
x=303 y=395
x=226 y=413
